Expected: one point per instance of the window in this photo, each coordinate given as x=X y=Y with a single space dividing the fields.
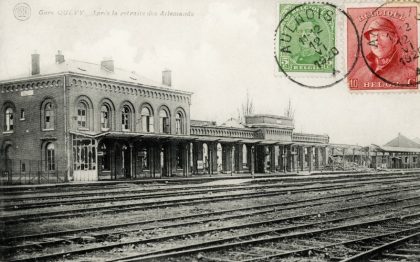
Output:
x=9 y=119
x=105 y=117
x=125 y=118
x=50 y=157
x=146 y=120
x=406 y=159
x=179 y=123
x=164 y=122
x=22 y=114
x=84 y=153
x=49 y=116
x=82 y=115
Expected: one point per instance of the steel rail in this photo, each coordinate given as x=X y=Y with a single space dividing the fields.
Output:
x=122 y=184
x=22 y=206
x=309 y=201
x=15 y=219
x=353 y=241
x=220 y=244
x=377 y=250
x=102 y=235
x=282 y=177
x=244 y=225
x=177 y=189
x=117 y=191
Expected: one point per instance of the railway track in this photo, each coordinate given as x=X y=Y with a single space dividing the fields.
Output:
x=67 y=213
x=127 y=188
x=204 y=217
x=15 y=204
x=279 y=243
x=19 y=191
x=403 y=248
x=128 y=185
x=291 y=219
x=261 y=231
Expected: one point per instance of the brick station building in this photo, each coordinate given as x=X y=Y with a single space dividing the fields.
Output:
x=78 y=121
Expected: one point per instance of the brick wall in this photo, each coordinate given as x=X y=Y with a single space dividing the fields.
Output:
x=97 y=91
x=28 y=138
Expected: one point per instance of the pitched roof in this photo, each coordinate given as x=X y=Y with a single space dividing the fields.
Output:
x=400 y=149
x=402 y=141
x=95 y=70
x=417 y=140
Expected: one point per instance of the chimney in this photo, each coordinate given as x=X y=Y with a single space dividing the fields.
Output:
x=59 y=57
x=35 y=64
x=107 y=64
x=166 y=77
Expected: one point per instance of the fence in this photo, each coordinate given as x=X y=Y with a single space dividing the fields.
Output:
x=21 y=171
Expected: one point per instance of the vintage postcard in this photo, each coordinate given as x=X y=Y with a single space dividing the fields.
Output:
x=212 y=130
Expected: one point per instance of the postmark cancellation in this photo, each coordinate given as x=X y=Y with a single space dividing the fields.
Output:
x=371 y=46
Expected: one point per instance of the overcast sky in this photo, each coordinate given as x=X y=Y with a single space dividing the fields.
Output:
x=219 y=52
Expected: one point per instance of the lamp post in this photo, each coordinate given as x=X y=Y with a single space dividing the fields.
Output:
x=252 y=160
x=124 y=147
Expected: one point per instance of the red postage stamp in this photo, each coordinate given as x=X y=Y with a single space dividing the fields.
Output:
x=388 y=57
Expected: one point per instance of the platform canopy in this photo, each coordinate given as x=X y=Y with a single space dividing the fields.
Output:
x=120 y=134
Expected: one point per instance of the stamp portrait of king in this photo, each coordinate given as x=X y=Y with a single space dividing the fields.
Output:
x=390 y=49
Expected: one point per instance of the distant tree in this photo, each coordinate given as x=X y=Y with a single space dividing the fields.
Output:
x=289 y=111
x=247 y=108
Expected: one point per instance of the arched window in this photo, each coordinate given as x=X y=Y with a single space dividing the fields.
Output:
x=50 y=157
x=164 y=125
x=105 y=117
x=82 y=115
x=125 y=118
x=9 y=119
x=146 y=120
x=49 y=116
x=179 y=123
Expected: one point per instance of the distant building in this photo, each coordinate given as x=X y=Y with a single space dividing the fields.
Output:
x=400 y=152
x=78 y=121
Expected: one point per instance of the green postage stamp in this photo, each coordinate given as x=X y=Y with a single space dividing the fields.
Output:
x=306 y=38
